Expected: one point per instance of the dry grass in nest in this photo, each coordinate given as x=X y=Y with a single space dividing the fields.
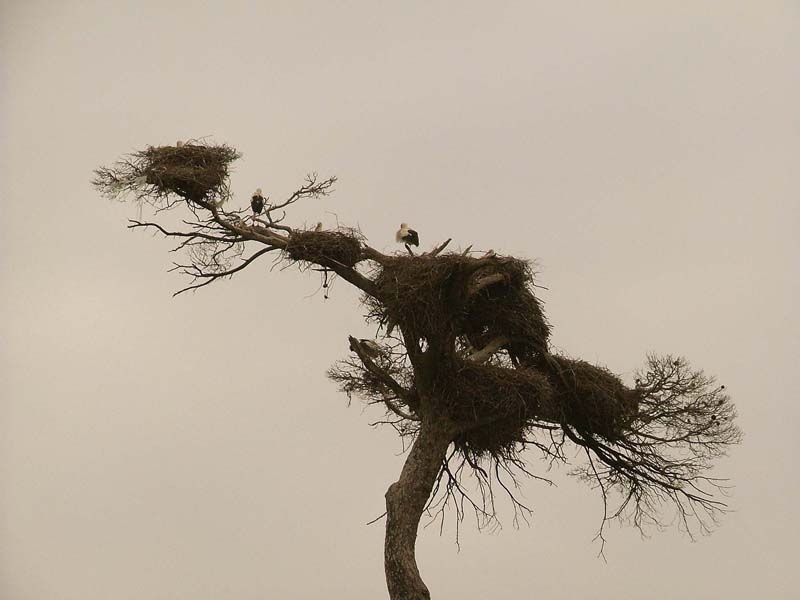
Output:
x=593 y=399
x=192 y=171
x=495 y=404
x=325 y=248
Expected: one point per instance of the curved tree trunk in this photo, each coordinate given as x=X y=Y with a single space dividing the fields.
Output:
x=405 y=501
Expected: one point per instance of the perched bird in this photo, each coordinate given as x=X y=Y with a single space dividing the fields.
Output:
x=318 y=227
x=371 y=348
x=407 y=235
x=257 y=203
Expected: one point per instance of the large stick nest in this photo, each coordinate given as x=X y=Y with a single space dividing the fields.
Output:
x=195 y=171
x=192 y=171
x=591 y=399
x=493 y=405
x=497 y=405
x=435 y=297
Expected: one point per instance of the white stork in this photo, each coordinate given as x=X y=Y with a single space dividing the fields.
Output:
x=257 y=203
x=406 y=235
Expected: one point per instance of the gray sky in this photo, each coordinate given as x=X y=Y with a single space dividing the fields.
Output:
x=645 y=153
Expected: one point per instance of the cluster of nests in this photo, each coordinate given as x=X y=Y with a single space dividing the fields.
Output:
x=477 y=300
x=191 y=170
x=457 y=304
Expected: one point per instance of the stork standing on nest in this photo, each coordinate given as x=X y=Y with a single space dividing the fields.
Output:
x=257 y=203
x=407 y=236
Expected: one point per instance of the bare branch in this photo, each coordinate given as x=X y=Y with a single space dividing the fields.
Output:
x=481 y=283
x=488 y=350
x=212 y=277
x=440 y=247
x=381 y=374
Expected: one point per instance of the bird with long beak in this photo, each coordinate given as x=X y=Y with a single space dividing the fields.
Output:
x=406 y=235
x=257 y=203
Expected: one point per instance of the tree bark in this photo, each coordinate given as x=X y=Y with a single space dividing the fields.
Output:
x=405 y=501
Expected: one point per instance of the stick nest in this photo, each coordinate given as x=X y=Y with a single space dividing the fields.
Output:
x=440 y=298
x=326 y=248
x=192 y=171
x=591 y=399
x=492 y=404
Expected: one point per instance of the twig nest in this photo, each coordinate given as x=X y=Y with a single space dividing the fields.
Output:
x=325 y=248
x=494 y=405
x=455 y=295
x=593 y=400
x=192 y=171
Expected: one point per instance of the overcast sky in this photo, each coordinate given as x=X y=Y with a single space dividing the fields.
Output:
x=645 y=153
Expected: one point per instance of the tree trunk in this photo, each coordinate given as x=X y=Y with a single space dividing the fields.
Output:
x=405 y=501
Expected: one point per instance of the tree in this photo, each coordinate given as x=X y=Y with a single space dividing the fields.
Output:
x=462 y=366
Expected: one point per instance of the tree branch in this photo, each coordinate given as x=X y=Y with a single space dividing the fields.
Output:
x=486 y=352
x=212 y=277
x=381 y=374
x=481 y=283
x=440 y=247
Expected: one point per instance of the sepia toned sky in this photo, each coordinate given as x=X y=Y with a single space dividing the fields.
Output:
x=644 y=153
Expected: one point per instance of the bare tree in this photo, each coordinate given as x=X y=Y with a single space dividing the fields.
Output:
x=461 y=366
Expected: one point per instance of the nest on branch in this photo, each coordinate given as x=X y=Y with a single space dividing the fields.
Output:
x=192 y=171
x=451 y=295
x=492 y=405
x=591 y=399
x=325 y=248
